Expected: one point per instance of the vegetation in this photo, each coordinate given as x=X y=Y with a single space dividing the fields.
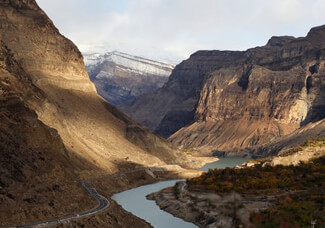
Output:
x=304 y=176
x=318 y=142
x=297 y=192
x=297 y=210
x=189 y=151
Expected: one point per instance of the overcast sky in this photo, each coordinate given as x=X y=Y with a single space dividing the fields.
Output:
x=170 y=30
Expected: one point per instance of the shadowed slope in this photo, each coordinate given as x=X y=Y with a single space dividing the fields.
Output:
x=38 y=178
x=54 y=128
x=83 y=120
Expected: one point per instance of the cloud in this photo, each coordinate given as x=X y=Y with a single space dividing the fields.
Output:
x=173 y=29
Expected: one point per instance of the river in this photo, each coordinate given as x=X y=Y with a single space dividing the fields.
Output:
x=134 y=200
x=224 y=163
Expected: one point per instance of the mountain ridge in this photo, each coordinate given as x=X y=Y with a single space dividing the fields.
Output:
x=95 y=58
x=228 y=100
x=120 y=77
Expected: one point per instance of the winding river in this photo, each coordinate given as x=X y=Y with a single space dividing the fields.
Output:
x=134 y=200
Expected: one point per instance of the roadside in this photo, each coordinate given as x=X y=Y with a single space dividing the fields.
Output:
x=102 y=204
x=115 y=215
x=108 y=213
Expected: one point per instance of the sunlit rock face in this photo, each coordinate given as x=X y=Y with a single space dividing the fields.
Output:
x=90 y=128
x=54 y=128
x=121 y=77
x=230 y=100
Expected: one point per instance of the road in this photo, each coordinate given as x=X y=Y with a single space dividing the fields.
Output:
x=103 y=203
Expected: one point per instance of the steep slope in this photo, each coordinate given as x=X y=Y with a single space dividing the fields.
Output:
x=223 y=100
x=120 y=77
x=279 y=90
x=281 y=145
x=38 y=179
x=89 y=127
x=54 y=128
x=173 y=106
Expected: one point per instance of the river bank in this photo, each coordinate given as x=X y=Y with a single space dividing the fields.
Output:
x=137 y=197
x=203 y=208
x=114 y=215
x=207 y=209
x=261 y=195
x=135 y=201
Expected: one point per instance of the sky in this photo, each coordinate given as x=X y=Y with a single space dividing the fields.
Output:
x=171 y=30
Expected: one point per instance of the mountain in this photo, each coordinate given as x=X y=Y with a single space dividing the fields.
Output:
x=230 y=100
x=37 y=173
x=120 y=77
x=54 y=128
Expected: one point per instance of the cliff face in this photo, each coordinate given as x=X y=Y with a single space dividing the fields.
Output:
x=54 y=128
x=120 y=77
x=228 y=100
x=173 y=106
x=88 y=125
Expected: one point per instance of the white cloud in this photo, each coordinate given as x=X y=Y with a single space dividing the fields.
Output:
x=173 y=29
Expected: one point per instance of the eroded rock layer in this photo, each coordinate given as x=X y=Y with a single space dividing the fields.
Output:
x=225 y=100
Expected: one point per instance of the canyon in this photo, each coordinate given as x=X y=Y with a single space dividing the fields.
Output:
x=55 y=129
x=225 y=101
x=56 y=132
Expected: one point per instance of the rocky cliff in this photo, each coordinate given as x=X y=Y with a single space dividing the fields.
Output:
x=226 y=100
x=120 y=77
x=54 y=128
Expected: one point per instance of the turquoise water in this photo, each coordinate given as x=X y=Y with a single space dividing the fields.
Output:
x=134 y=200
x=224 y=163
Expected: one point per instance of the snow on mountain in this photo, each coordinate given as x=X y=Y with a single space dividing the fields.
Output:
x=128 y=63
x=120 y=77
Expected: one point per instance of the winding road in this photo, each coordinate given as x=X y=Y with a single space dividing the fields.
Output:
x=103 y=203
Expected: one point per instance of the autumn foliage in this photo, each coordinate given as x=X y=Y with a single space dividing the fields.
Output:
x=304 y=176
x=299 y=191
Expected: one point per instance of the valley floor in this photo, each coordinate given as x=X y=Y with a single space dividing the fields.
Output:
x=115 y=215
x=110 y=214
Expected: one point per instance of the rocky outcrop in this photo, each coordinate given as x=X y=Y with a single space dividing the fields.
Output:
x=178 y=97
x=224 y=100
x=209 y=209
x=120 y=77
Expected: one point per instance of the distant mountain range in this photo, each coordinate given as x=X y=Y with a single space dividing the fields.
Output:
x=120 y=77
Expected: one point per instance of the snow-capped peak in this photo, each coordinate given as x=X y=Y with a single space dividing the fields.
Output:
x=129 y=63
